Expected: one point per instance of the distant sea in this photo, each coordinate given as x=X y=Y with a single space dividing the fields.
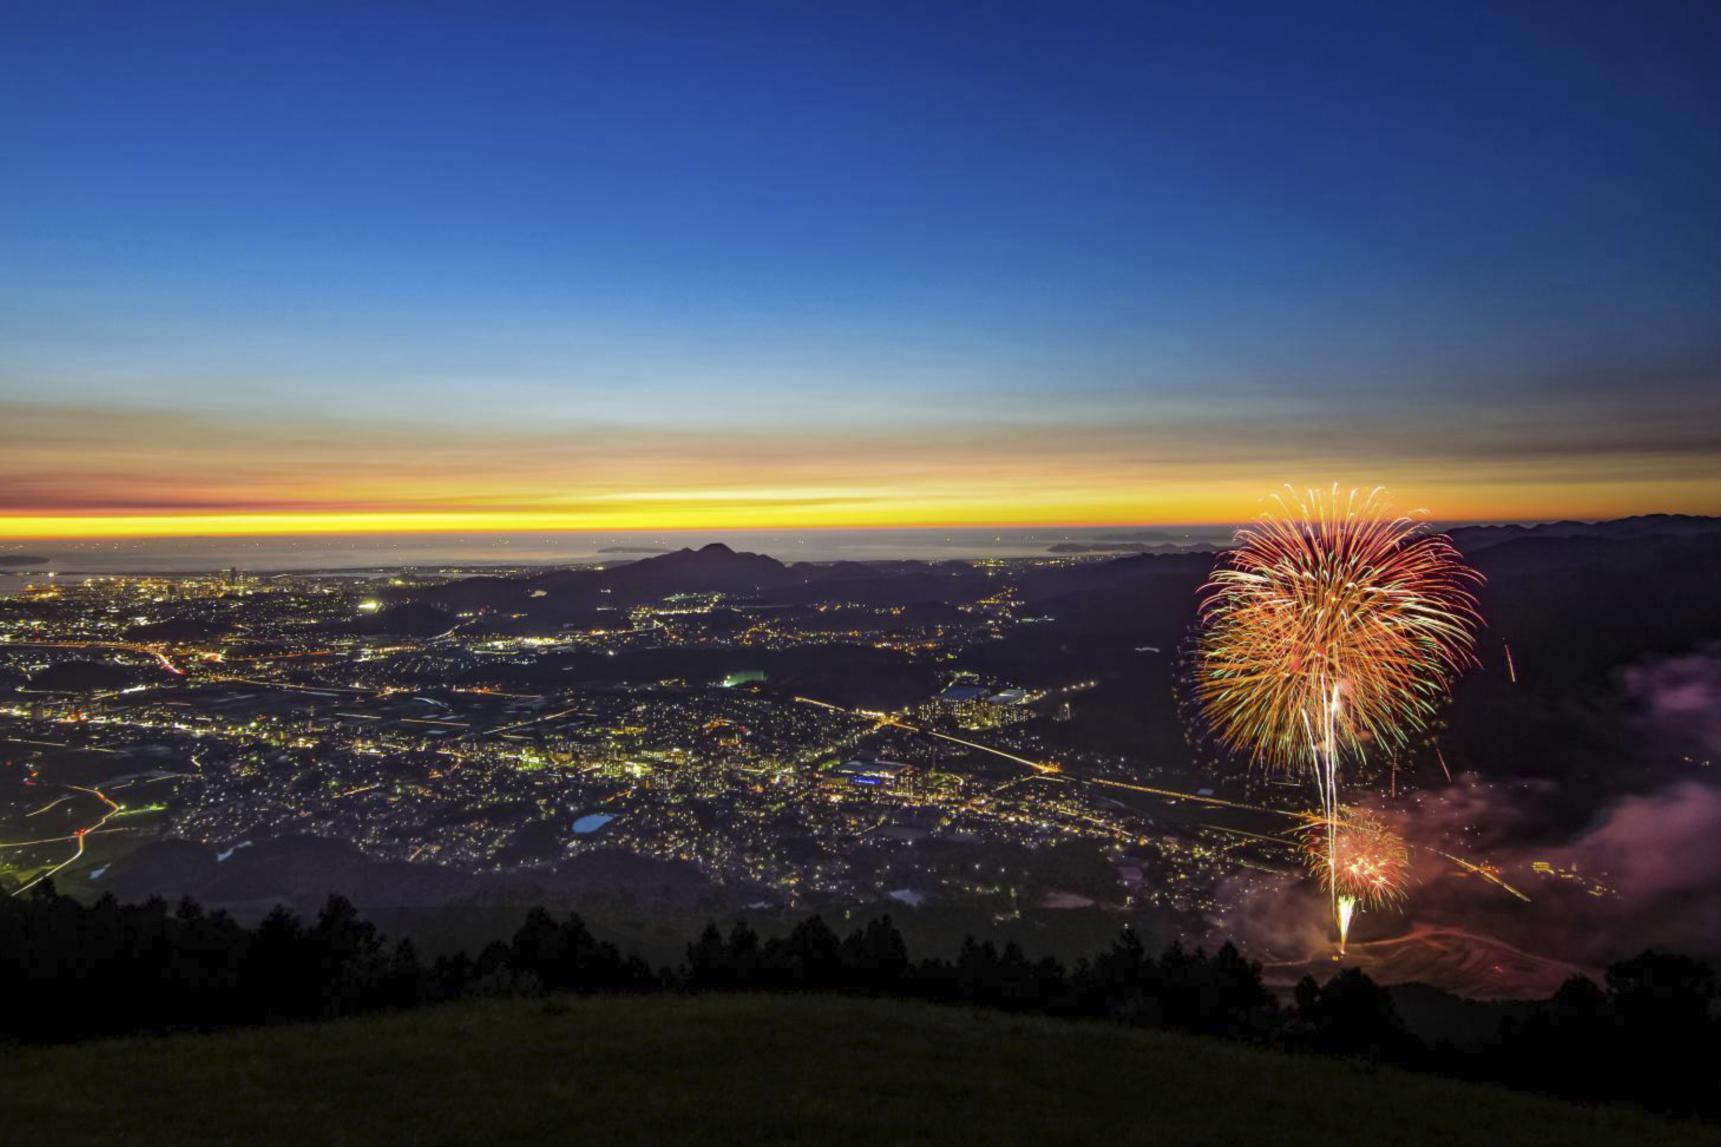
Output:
x=359 y=552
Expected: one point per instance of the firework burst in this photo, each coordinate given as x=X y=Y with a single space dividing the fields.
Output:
x=1332 y=625
x=1364 y=861
x=1359 y=860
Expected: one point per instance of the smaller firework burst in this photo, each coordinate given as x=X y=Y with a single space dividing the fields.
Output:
x=1365 y=861
x=1357 y=858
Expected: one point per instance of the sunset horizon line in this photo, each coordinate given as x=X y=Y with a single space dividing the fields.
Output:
x=75 y=529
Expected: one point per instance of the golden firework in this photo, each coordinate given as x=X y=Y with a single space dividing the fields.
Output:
x=1358 y=858
x=1331 y=625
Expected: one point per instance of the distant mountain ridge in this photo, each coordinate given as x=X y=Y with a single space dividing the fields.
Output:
x=1472 y=538
x=1574 y=599
x=574 y=595
x=711 y=568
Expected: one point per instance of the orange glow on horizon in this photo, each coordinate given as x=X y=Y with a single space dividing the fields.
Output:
x=1226 y=504
x=88 y=474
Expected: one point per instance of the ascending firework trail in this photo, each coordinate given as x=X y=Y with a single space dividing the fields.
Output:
x=1359 y=860
x=1332 y=624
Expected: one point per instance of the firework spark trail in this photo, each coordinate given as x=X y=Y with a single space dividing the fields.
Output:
x=1346 y=911
x=1179 y=795
x=1373 y=861
x=1487 y=874
x=1332 y=625
x=1361 y=861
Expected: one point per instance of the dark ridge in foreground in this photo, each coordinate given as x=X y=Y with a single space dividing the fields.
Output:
x=752 y=1069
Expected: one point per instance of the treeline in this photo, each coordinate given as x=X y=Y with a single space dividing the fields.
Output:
x=72 y=971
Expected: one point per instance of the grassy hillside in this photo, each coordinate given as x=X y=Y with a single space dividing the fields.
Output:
x=749 y=1070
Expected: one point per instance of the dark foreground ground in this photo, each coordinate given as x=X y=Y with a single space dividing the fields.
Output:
x=749 y=1070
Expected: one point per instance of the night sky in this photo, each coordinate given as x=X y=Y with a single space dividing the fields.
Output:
x=307 y=268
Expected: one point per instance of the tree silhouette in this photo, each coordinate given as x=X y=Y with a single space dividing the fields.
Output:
x=70 y=970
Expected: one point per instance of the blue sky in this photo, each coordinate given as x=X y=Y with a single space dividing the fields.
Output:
x=1461 y=232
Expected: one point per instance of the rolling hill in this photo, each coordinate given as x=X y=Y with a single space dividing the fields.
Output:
x=753 y=1069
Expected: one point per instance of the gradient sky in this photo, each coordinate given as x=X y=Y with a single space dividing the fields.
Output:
x=361 y=266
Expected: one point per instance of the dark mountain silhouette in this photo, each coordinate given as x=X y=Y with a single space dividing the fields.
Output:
x=849 y=571
x=473 y=594
x=576 y=596
x=710 y=569
x=1120 y=575
x=1575 y=607
x=1473 y=538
